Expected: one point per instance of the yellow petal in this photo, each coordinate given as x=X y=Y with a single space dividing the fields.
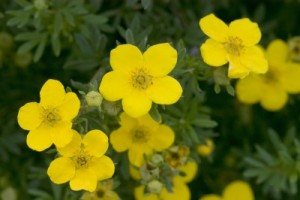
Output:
x=73 y=147
x=236 y=69
x=249 y=89
x=121 y=139
x=125 y=57
x=29 y=116
x=136 y=103
x=127 y=122
x=70 y=106
x=290 y=78
x=213 y=53
x=160 y=59
x=238 y=190
x=103 y=167
x=180 y=191
x=115 y=85
x=61 y=170
x=148 y=122
x=96 y=143
x=211 y=197
x=62 y=133
x=189 y=169
x=52 y=94
x=246 y=30
x=84 y=179
x=253 y=58
x=274 y=97
x=165 y=90
x=39 y=139
x=136 y=153
x=139 y=194
x=162 y=138
x=277 y=52
x=214 y=28
x=134 y=172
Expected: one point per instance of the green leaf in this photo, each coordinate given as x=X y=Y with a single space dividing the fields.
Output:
x=58 y=23
x=265 y=156
x=254 y=163
x=230 y=90
x=41 y=47
x=147 y=4
x=27 y=46
x=55 y=43
x=81 y=65
x=95 y=19
x=204 y=123
x=155 y=114
x=129 y=36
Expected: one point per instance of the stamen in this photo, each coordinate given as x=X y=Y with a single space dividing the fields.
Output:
x=51 y=116
x=140 y=79
x=82 y=160
x=140 y=135
x=234 y=45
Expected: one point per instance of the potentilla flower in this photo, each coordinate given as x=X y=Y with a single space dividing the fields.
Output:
x=236 y=190
x=82 y=162
x=206 y=149
x=104 y=191
x=180 y=190
x=140 y=79
x=235 y=44
x=272 y=88
x=140 y=136
x=49 y=121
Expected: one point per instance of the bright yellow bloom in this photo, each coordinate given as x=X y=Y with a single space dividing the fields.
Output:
x=272 y=88
x=140 y=79
x=235 y=44
x=49 y=121
x=104 y=191
x=206 y=149
x=180 y=189
x=140 y=136
x=237 y=190
x=82 y=162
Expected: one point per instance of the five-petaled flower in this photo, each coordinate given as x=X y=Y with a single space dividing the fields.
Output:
x=49 y=121
x=140 y=79
x=272 y=88
x=236 y=190
x=140 y=136
x=82 y=162
x=235 y=44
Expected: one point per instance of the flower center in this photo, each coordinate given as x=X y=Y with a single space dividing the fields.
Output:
x=234 y=45
x=81 y=161
x=270 y=76
x=51 y=116
x=100 y=193
x=140 y=135
x=140 y=79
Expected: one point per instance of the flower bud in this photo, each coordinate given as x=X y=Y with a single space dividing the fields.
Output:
x=6 y=41
x=40 y=4
x=93 y=99
x=206 y=149
x=154 y=186
x=23 y=59
x=294 y=45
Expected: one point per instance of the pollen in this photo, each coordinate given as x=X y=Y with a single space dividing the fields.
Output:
x=140 y=79
x=81 y=161
x=51 y=116
x=140 y=135
x=234 y=46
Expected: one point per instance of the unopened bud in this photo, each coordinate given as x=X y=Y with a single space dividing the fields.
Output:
x=157 y=159
x=154 y=186
x=112 y=108
x=93 y=99
x=294 y=46
x=23 y=59
x=206 y=149
x=6 y=41
x=40 y=4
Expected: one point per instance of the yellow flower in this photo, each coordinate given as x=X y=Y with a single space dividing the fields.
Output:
x=82 y=162
x=272 y=88
x=235 y=44
x=180 y=189
x=140 y=136
x=140 y=79
x=237 y=190
x=49 y=121
x=206 y=149
x=104 y=191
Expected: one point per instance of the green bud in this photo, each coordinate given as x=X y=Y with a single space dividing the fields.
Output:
x=155 y=186
x=40 y=4
x=93 y=99
x=6 y=41
x=23 y=59
x=157 y=159
x=112 y=108
x=9 y=193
